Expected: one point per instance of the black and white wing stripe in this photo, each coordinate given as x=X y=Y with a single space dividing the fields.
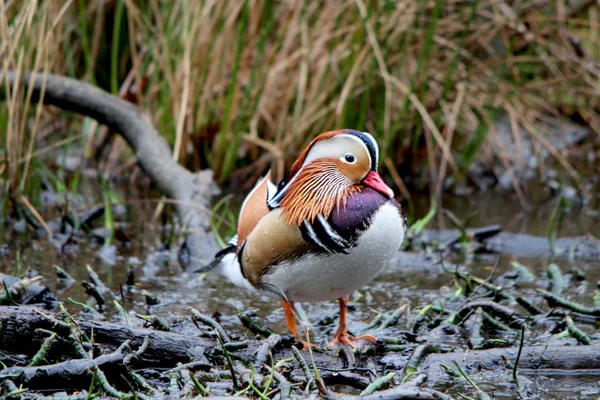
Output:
x=276 y=193
x=321 y=234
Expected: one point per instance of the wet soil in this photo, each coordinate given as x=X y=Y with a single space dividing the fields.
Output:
x=414 y=280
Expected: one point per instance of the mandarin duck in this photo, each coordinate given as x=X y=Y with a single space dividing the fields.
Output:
x=325 y=231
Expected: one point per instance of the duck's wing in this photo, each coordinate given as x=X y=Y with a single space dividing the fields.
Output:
x=253 y=209
x=272 y=243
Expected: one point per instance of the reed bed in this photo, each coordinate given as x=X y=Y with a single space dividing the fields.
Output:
x=241 y=86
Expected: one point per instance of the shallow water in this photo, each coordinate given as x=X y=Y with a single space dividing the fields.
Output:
x=158 y=273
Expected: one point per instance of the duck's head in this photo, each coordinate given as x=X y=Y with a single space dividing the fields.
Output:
x=333 y=166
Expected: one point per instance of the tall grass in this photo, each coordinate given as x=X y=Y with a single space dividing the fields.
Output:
x=240 y=85
x=29 y=35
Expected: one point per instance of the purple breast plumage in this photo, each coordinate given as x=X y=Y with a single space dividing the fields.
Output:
x=344 y=226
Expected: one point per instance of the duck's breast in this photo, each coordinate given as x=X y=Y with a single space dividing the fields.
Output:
x=319 y=276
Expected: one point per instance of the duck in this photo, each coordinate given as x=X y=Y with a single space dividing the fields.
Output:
x=326 y=230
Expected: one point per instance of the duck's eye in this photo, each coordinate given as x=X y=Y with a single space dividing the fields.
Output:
x=349 y=158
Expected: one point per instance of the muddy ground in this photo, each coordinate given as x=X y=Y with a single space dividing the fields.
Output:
x=444 y=300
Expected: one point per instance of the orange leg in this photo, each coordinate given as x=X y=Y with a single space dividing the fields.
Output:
x=288 y=309
x=341 y=335
x=289 y=318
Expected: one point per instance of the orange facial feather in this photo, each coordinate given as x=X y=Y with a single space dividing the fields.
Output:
x=316 y=190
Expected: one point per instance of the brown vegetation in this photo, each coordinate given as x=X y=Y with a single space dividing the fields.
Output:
x=236 y=86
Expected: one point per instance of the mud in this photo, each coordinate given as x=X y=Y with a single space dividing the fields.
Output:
x=144 y=253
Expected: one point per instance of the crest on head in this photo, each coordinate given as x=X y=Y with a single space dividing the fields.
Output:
x=357 y=152
x=332 y=166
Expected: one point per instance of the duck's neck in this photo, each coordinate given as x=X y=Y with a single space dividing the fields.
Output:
x=316 y=190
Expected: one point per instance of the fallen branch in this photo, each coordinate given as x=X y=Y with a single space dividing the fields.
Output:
x=519 y=244
x=18 y=326
x=533 y=359
x=166 y=349
x=191 y=191
x=404 y=392
x=72 y=374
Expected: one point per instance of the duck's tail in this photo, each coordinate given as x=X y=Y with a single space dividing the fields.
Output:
x=227 y=264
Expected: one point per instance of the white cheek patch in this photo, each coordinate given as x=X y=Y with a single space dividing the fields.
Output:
x=319 y=150
x=336 y=147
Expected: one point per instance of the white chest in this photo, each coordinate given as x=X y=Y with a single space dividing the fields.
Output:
x=323 y=278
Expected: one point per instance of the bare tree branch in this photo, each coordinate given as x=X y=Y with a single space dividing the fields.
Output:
x=191 y=191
